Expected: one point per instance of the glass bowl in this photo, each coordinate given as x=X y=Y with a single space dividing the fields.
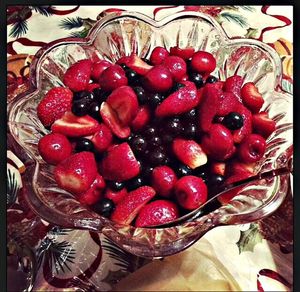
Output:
x=117 y=35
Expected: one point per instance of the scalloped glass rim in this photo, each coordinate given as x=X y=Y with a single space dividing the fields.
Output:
x=96 y=222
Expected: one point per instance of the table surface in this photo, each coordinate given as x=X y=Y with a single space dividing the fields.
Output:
x=251 y=257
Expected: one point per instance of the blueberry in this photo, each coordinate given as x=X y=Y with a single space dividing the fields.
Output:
x=154 y=141
x=146 y=61
x=150 y=131
x=134 y=183
x=125 y=67
x=190 y=116
x=146 y=172
x=80 y=108
x=233 y=121
x=197 y=79
x=190 y=131
x=202 y=172
x=138 y=144
x=141 y=95
x=100 y=95
x=182 y=170
x=83 y=144
x=211 y=79
x=104 y=207
x=157 y=157
x=132 y=76
x=215 y=180
x=173 y=126
x=167 y=138
x=86 y=95
x=176 y=87
x=155 y=99
x=115 y=185
x=94 y=110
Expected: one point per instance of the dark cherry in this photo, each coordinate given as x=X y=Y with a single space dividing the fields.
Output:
x=94 y=110
x=155 y=99
x=86 y=95
x=182 y=170
x=132 y=76
x=115 y=185
x=154 y=141
x=134 y=183
x=190 y=131
x=233 y=121
x=197 y=79
x=173 y=126
x=156 y=156
x=100 y=95
x=211 y=79
x=140 y=94
x=104 y=207
x=138 y=144
x=80 y=108
x=84 y=144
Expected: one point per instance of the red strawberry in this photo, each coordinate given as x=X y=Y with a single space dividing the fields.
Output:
x=251 y=97
x=191 y=192
x=227 y=196
x=246 y=129
x=218 y=142
x=91 y=86
x=54 y=148
x=55 y=103
x=263 y=125
x=228 y=103
x=208 y=107
x=102 y=139
x=135 y=63
x=76 y=173
x=98 y=68
x=218 y=168
x=112 y=77
x=189 y=152
x=185 y=53
x=176 y=66
x=94 y=193
x=111 y=119
x=157 y=213
x=163 y=180
x=127 y=209
x=124 y=102
x=78 y=75
x=119 y=164
x=115 y=196
x=234 y=84
x=142 y=118
x=74 y=126
x=179 y=102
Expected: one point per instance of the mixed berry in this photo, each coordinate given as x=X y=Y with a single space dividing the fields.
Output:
x=144 y=142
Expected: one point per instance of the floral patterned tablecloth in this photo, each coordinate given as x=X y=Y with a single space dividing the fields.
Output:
x=252 y=257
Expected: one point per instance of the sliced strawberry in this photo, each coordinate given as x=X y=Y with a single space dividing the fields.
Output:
x=240 y=134
x=234 y=84
x=251 y=97
x=94 y=193
x=208 y=107
x=142 y=118
x=185 y=53
x=227 y=196
x=119 y=164
x=124 y=102
x=263 y=125
x=76 y=173
x=228 y=103
x=127 y=209
x=74 y=126
x=98 y=67
x=78 y=75
x=157 y=213
x=218 y=168
x=236 y=167
x=54 y=104
x=102 y=139
x=179 y=102
x=189 y=152
x=111 y=119
x=115 y=196
x=135 y=63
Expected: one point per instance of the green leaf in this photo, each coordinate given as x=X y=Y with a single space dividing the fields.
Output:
x=18 y=29
x=12 y=187
x=114 y=277
x=232 y=17
x=251 y=32
x=287 y=86
x=43 y=10
x=71 y=22
x=249 y=8
x=249 y=238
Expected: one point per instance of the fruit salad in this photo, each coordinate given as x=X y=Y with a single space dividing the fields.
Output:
x=146 y=141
